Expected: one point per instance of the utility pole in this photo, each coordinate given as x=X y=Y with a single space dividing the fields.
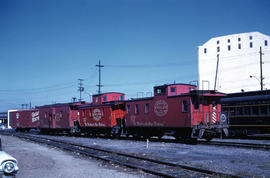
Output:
x=261 y=67
x=80 y=88
x=99 y=70
x=216 y=72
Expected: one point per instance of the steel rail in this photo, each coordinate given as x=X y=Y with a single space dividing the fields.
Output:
x=153 y=166
x=237 y=144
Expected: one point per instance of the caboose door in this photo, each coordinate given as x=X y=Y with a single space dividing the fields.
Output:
x=52 y=118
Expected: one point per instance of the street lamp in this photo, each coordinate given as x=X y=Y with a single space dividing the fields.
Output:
x=251 y=76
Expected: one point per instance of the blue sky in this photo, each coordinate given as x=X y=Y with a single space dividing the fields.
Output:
x=46 y=46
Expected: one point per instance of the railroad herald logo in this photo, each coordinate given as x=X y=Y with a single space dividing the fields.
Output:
x=97 y=114
x=35 y=116
x=161 y=108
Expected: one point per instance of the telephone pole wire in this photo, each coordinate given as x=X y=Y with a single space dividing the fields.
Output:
x=99 y=79
x=80 y=88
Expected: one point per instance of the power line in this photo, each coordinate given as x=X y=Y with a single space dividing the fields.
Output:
x=33 y=92
x=149 y=65
x=36 y=89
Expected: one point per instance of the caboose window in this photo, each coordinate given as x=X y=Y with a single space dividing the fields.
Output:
x=146 y=108
x=184 y=106
x=96 y=99
x=196 y=104
x=173 y=89
x=104 y=98
x=121 y=98
x=160 y=91
x=137 y=109
x=90 y=113
x=128 y=109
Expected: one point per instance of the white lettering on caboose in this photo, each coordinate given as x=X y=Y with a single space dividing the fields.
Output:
x=35 y=116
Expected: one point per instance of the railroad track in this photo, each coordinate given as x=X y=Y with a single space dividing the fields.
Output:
x=148 y=165
x=237 y=144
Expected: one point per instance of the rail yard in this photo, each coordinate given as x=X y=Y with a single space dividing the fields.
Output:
x=163 y=158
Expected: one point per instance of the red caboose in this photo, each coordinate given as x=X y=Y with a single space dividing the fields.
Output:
x=104 y=116
x=61 y=117
x=178 y=110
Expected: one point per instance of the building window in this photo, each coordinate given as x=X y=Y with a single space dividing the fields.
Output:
x=229 y=47
x=265 y=43
x=239 y=39
x=217 y=42
x=173 y=89
x=128 y=109
x=250 y=45
x=229 y=40
x=96 y=99
x=205 y=50
x=146 y=109
x=104 y=98
x=239 y=46
x=250 y=37
x=137 y=109
x=218 y=49
x=184 y=106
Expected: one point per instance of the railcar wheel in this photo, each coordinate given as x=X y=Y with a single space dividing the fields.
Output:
x=137 y=136
x=160 y=136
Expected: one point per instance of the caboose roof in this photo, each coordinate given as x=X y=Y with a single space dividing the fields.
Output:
x=98 y=105
x=62 y=104
x=108 y=93
x=166 y=85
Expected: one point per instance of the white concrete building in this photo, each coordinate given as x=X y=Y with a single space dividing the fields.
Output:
x=239 y=58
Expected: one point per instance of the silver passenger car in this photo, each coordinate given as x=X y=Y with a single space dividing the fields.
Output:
x=8 y=164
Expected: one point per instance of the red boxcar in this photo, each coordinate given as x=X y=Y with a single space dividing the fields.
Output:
x=178 y=110
x=104 y=116
x=25 y=119
x=55 y=117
